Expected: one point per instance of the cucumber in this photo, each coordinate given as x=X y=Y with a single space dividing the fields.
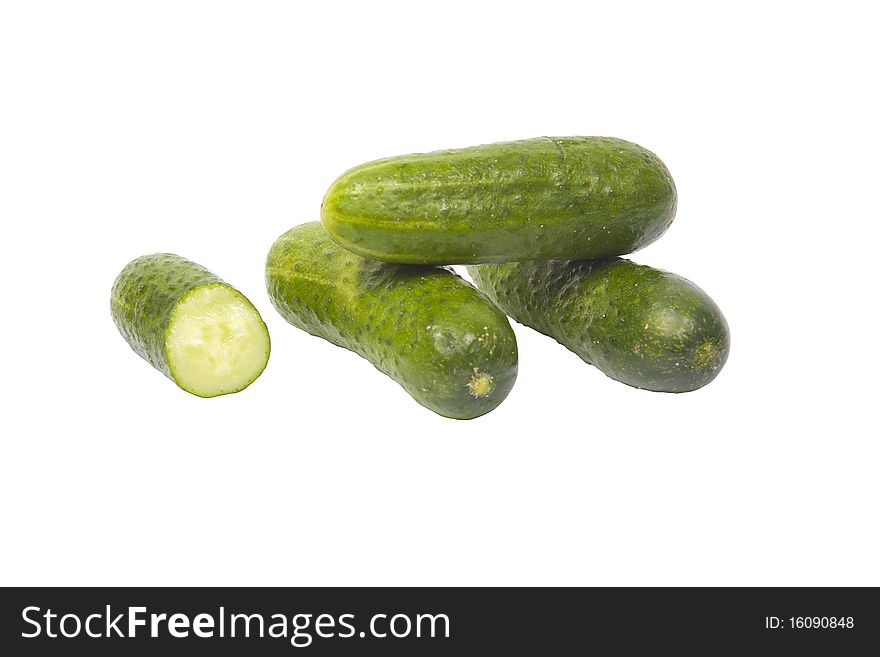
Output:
x=645 y=327
x=559 y=197
x=200 y=332
x=425 y=327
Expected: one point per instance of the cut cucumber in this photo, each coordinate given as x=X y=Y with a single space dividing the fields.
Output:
x=197 y=330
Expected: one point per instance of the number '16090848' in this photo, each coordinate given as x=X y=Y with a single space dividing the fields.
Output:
x=809 y=622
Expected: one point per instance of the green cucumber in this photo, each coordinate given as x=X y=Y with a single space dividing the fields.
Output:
x=200 y=332
x=642 y=326
x=425 y=327
x=559 y=197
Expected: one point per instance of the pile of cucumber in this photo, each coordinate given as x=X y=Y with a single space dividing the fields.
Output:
x=540 y=224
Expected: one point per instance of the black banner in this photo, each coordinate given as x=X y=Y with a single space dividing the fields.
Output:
x=446 y=621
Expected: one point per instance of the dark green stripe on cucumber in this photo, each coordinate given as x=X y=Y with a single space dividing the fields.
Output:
x=642 y=326
x=200 y=332
x=425 y=327
x=559 y=197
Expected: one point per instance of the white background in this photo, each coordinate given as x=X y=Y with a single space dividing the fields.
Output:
x=209 y=128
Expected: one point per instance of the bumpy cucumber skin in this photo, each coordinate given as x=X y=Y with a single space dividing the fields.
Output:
x=643 y=326
x=551 y=197
x=428 y=329
x=144 y=297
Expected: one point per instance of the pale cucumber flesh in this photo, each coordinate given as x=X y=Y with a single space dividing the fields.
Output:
x=216 y=343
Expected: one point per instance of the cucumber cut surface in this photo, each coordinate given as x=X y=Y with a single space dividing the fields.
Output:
x=216 y=342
